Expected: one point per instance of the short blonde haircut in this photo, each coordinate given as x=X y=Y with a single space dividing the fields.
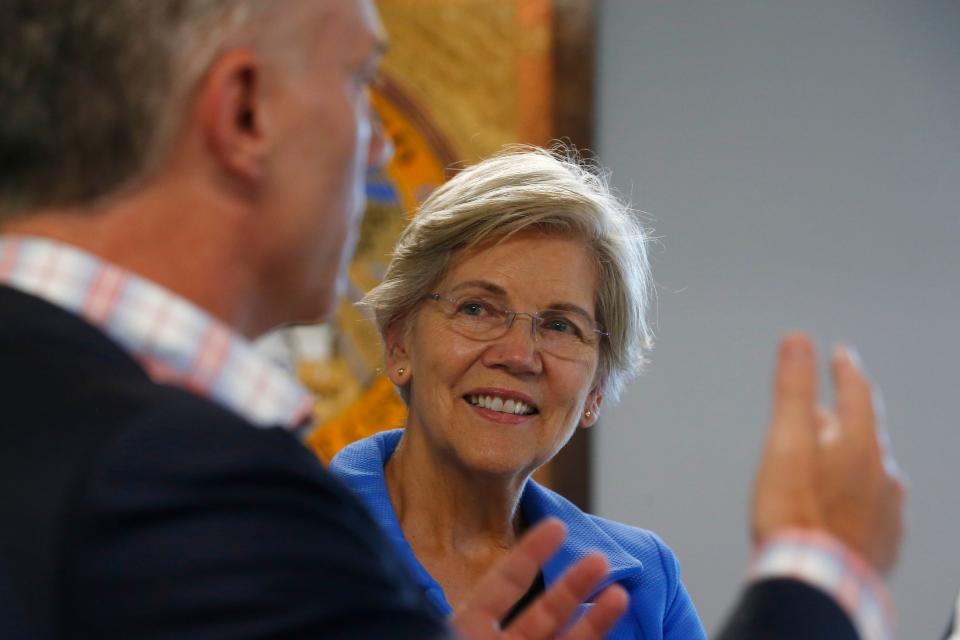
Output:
x=524 y=189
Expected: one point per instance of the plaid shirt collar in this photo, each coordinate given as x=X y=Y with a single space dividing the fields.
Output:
x=174 y=340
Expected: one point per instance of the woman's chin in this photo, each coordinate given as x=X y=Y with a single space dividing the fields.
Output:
x=497 y=463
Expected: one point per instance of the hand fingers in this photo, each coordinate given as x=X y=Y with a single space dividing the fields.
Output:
x=551 y=612
x=863 y=439
x=854 y=395
x=886 y=445
x=509 y=580
x=860 y=409
x=795 y=395
x=785 y=487
x=828 y=427
x=885 y=549
x=607 y=609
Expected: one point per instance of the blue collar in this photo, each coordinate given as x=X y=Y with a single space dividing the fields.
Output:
x=360 y=466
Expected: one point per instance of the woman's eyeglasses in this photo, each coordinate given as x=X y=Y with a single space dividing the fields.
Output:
x=565 y=333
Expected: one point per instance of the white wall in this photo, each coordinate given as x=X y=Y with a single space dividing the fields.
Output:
x=801 y=162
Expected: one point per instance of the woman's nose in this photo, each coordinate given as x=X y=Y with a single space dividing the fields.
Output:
x=517 y=348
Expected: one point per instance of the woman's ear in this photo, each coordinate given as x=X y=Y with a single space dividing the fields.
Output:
x=591 y=408
x=397 y=357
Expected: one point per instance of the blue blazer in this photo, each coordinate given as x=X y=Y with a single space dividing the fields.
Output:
x=639 y=560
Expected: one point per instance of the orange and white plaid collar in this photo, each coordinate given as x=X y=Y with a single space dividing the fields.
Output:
x=174 y=340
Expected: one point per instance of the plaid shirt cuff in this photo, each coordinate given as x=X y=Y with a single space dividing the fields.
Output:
x=824 y=562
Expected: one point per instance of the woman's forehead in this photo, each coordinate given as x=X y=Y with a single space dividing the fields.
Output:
x=529 y=267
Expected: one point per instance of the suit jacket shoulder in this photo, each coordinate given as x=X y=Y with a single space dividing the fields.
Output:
x=137 y=510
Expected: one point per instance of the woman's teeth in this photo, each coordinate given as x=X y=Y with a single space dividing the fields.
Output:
x=495 y=403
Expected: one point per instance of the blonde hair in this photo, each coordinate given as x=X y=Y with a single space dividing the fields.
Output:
x=521 y=189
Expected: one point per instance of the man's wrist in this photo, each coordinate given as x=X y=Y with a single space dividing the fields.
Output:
x=822 y=561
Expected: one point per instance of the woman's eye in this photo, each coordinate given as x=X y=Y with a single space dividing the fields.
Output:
x=561 y=325
x=472 y=308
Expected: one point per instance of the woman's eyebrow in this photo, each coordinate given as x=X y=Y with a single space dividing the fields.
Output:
x=481 y=284
x=569 y=306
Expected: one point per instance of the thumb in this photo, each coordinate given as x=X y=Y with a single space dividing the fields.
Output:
x=793 y=424
x=785 y=487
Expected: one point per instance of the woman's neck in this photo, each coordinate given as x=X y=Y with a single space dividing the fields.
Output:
x=457 y=523
x=453 y=506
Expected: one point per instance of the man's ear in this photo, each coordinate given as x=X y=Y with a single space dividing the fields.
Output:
x=398 y=354
x=231 y=114
x=591 y=408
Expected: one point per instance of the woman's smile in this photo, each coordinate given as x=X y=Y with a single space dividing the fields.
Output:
x=502 y=405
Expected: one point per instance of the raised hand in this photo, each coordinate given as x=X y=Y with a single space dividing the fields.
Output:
x=828 y=470
x=548 y=616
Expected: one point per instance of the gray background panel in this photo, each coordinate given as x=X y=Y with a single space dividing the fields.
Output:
x=800 y=163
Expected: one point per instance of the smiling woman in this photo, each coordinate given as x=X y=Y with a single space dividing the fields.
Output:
x=514 y=306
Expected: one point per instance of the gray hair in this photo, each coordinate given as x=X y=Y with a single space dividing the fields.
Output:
x=548 y=191
x=93 y=89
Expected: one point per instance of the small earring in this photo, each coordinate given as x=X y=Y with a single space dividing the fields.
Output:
x=588 y=413
x=400 y=371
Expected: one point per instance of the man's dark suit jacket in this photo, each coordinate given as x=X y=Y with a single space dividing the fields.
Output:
x=135 y=510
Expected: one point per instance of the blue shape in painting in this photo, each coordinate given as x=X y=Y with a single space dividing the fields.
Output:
x=379 y=189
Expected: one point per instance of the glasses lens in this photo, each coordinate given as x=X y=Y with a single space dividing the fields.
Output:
x=476 y=317
x=566 y=333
